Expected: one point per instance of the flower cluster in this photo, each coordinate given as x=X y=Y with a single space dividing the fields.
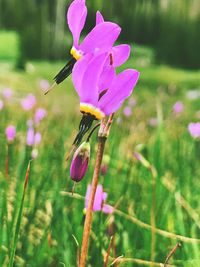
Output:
x=93 y=64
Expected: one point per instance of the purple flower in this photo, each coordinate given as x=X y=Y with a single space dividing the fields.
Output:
x=99 y=200
x=30 y=136
x=127 y=111
x=95 y=101
x=1 y=104
x=153 y=122
x=44 y=85
x=87 y=86
x=194 y=129
x=40 y=114
x=10 y=133
x=178 y=107
x=29 y=102
x=37 y=138
x=7 y=93
x=80 y=162
x=100 y=39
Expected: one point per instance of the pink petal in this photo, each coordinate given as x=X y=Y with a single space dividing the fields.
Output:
x=104 y=196
x=101 y=38
x=107 y=209
x=106 y=77
x=120 y=54
x=98 y=200
x=99 y=18
x=76 y=17
x=88 y=88
x=121 y=88
x=79 y=70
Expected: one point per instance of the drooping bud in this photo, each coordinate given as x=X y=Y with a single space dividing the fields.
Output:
x=80 y=162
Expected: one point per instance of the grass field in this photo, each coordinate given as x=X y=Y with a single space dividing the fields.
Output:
x=51 y=216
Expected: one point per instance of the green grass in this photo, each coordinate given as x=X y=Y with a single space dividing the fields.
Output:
x=51 y=218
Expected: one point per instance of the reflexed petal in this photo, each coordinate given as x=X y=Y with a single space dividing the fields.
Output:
x=88 y=88
x=99 y=18
x=102 y=37
x=106 y=77
x=121 y=88
x=120 y=54
x=76 y=17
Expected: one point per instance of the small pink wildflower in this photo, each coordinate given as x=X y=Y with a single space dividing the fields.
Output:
x=40 y=114
x=29 y=102
x=10 y=133
x=7 y=93
x=127 y=111
x=99 y=201
x=178 y=107
x=194 y=129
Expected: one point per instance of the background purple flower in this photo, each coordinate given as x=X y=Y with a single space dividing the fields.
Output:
x=127 y=111
x=29 y=102
x=178 y=107
x=37 y=138
x=7 y=93
x=10 y=133
x=194 y=129
x=100 y=198
x=30 y=136
x=39 y=115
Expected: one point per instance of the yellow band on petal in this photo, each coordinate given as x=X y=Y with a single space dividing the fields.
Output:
x=75 y=53
x=89 y=109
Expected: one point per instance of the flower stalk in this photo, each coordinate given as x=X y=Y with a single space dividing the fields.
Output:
x=102 y=137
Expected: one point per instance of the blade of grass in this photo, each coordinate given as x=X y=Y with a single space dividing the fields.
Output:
x=19 y=218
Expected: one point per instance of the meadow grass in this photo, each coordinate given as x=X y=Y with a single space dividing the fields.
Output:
x=51 y=217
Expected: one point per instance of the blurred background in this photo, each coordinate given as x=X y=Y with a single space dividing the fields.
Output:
x=151 y=166
x=171 y=27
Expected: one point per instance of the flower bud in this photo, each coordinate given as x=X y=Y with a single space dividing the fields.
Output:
x=80 y=162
